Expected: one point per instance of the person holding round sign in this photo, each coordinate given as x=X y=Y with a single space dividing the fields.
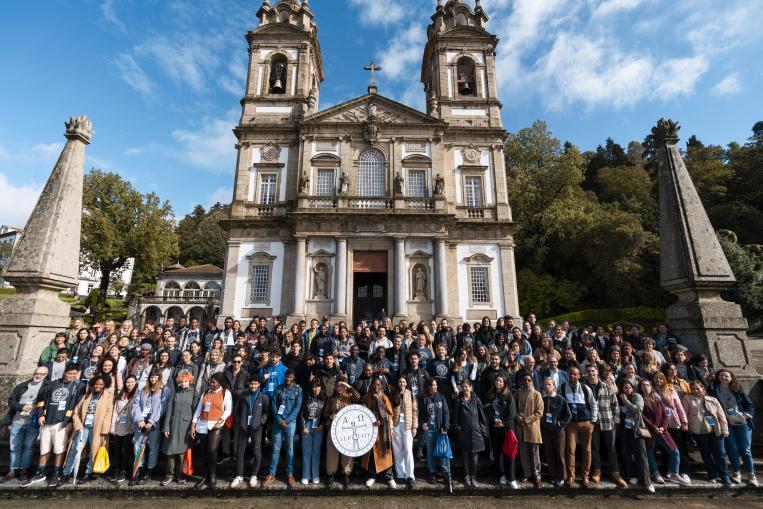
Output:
x=379 y=459
x=344 y=396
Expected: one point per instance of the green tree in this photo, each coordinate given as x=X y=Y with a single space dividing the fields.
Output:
x=201 y=239
x=119 y=223
x=630 y=189
x=709 y=171
x=746 y=263
x=545 y=295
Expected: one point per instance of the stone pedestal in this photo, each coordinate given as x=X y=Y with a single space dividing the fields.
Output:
x=44 y=263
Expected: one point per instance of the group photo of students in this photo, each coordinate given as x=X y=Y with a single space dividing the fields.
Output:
x=508 y=403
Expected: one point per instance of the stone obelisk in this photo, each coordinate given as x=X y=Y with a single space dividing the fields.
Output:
x=44 y=263
x=694 y=268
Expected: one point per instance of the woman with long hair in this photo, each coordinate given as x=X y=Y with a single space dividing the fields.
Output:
x=91 y=421
x=500 y=413
x=471 y=429
x=146 y=417
x=122 y=429
x=379 y=459
x=213 y=365
x=740 y=413
x=657 y=423
x=708 y=426
x=672 y=377
x=214 y=407
x=405 y=422
x=461 y=370
x=648 y=365
x=312 y=426
x=632 y=442
x=675 y=416
x=107 y=368
x=177 y=420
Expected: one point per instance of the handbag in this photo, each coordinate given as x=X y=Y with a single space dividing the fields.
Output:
x=442 y=447
x=101 y=463
x=188 y=463
x=510 y=445
x=229 y=421
x=643 y=432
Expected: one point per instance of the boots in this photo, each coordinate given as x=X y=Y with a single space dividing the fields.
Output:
x=619 y=480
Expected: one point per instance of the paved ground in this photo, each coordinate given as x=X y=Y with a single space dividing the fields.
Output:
x=486 y=502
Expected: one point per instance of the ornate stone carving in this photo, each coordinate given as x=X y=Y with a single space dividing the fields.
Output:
x=439 y=185
x=270 y=152
x=304 y=183
x=344 y=183
x=420 y=283
x=433 y=104
x=371 y=128
x=79 y=128
x=319 y=282
x=398 y=184
x=363 y=114
x=472 y=155
x=665 y=132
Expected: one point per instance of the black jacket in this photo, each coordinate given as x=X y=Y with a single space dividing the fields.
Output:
x=259 y=413
x=304 y=414
x=434 y=409
x=469 y=424
x=559 y=410
x=238 y=385
x=14 y=405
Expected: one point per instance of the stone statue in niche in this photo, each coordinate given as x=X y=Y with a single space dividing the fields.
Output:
x=439 y=185
x=304 y=183
x=344 y=183
x=420 y=280
x=399 y=182
x=433 y=104
x=319 y=277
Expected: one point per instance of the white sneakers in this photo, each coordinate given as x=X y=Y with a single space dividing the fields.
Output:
x=678 y=479
x=658 y=478
x=503 y=481
x=370 y=482
x=736 y=477
x=633 y=481
x=752 y=479
x=650 y=488
x=237 y=482
x=514 y=485
x=317 y=480
x=392 y=484
x=305 y=481
x=253 y=482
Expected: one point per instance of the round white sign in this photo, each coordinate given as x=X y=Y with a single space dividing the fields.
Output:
x=353 y=431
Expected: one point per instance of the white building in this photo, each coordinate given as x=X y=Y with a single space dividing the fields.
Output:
x=90 y=278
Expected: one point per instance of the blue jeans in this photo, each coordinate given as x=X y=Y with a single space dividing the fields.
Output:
x=81 y=439
x=311 y=454
x=738 y=446
x=283 y=436
x=432 y=462
x=22 y=439
x=154 y=442
x=673 y=456
x=713 y=455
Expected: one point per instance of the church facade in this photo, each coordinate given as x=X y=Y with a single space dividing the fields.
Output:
x=369 y=207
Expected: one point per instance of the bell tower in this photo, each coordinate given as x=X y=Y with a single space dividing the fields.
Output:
x=458 y=69
x=285 y=64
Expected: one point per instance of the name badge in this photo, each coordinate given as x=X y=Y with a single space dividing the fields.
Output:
x=402 y=418
x=61 y=406
x=414 y=391
x=628 y=423
x=281 y=409
x=320 y=352
x=668 y=412
x=549 y=418
x=271 y=387
x=89 y=420
x=352 y=380
x=207 y=406
x=249 y=420
x=314 y=423
x=122 y=419
x=710 y=420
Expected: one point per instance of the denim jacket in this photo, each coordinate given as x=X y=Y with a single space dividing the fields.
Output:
x=291 y=399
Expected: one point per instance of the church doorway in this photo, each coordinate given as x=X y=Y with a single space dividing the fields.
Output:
x=369 y=285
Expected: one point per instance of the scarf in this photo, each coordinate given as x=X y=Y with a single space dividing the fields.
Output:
x=384 y=431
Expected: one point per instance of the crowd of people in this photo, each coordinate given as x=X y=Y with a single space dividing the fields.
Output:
x=560 y=405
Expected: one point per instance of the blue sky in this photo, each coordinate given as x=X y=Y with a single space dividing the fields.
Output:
x=161 y=79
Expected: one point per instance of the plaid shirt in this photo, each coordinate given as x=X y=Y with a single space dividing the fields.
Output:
x=609 y=412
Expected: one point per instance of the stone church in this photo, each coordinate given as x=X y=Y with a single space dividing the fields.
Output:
x=370 y=207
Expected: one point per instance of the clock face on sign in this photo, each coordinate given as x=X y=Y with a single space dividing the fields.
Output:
x=353 y=431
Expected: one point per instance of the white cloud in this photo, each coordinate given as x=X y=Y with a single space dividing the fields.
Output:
x=716 y=28
x=609 y=7
x=221 y=195
x=375 y=12
x=678 y=76
x=185 y=61
x=729 y=85
x=47 y=151
x=403 y=51
x=17 y=202
x=135 y=151
x=211 y=145
x=134 y=75
x=109 y=11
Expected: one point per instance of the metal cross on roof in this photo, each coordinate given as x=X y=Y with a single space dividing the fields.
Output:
x=372 y=67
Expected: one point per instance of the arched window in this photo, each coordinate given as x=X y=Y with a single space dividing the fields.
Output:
x=461 y=20
x=371 y=174
x=465 y=73
x=211 y=289
x=171 y=289
x=277 y=83
x=191 y=289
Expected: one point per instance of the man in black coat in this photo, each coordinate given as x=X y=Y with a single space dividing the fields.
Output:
x=249 y=418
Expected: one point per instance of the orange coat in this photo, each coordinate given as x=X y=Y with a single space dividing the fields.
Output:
x=382 y=459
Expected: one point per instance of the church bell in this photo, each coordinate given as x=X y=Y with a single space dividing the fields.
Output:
x=278 y=86
x=463 y=85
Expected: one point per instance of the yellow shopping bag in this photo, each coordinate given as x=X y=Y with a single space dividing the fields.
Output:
x=101 y=463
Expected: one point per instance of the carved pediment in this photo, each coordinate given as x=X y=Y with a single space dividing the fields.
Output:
x=419 y=254
x=372 y=108
x=478 y=258
x=320 y=253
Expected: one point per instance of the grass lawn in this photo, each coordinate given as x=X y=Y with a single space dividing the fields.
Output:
x=647 y=318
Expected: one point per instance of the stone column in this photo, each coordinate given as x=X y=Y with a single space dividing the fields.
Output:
x=340 y=287
x=44 y=263
x=441 y=282
x=401 y=308
x=299 y=277
x=230 y=274
x=693 y=267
